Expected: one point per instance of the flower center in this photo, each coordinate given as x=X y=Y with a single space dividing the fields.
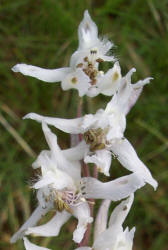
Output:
x=74 y=80
x=115 y=77
x=96 y=138
x=63 y=199
x=88 y=66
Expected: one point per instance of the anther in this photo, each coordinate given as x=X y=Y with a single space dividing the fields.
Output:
x=93 y=51
x=80 y=65
x=85 y=59
x=99 y=60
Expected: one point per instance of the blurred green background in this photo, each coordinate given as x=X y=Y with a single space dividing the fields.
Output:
x=44 y=33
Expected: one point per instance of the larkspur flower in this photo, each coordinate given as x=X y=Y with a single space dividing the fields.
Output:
x=114 y=237
x=58 y=189
x=61 y=188
x=83 y=72
x=104 y=132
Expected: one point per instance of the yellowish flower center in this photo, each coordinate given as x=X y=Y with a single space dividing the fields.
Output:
x=74 y=80
x=115 y=76
x=96 y=138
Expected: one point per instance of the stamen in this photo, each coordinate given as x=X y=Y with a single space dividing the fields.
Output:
x=96 y=138
x=80 y=65
x=63 y=199
x=93 y=51
x=86 y=59
x=93 y=82
x=99 y=60
x=92 y=72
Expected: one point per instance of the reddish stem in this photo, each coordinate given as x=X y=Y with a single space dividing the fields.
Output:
x=95 y=172
x=79 y=110
x=86 y=173
x=87 y=234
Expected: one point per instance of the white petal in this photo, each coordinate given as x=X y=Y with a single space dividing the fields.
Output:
x=117 y=126
x=46 y=75
x=76 y=80
x=125 y=240
x=109 y=83
x=125 y=91
x=57 y=170
x=102 y=159
x=40 y=158
x=130 y=235
x=87 y=32
x=66 y=125
x=78 y=57
x=116 y=119
x=132 y=99
x=141 y=83
x=101 y=218
x=88 y=121
x=73 y=156
x=120 y=212
x=58 y=158
x=114 y=237
x=51 y=228
x=128 y=93
x=59 y=180
x=45 y=180
x=45 y=162
x=106 y=45
x=41 y=194
x=108 y=58
x=34 y=218
x=135 y=93
x=108 y=240
x=76 y=153
x=30 y=246
x=82 y=213
x=50 y=137
x=129 y=159
x=113 y=190
x=93 y=91
x=88 y=39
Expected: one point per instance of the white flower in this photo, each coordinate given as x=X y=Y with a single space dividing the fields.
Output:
x=114 y=237
x=83 y=73
x=104 y=132
x=61 y=187
x=58 y=189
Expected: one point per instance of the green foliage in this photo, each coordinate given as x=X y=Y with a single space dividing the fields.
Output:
x=44 y=33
